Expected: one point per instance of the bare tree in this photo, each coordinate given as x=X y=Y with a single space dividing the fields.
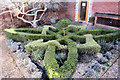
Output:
x=36 y=10
x=27 y=9
x=31 y=12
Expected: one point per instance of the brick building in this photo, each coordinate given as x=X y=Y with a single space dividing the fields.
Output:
x=81 y=10
x=87 y=8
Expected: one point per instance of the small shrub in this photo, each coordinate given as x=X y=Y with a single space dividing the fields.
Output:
x=61 y=57
x=103 y=68
x=63 y=23
x=91 y=19
x=74 y=28
x=39 y=44
x=107 y=64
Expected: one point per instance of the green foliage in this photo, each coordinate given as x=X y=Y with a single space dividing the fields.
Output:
x=74 y=28
x=39 y=44
x=63 y=23
x=91 y=19
x=24 y=34
x=46 y=28
x=51 y=64
x=77 y=27
x=103 y=68
x=69 y=66
x=38 y=55
x=61 y=57
x=90 y=45
x=101 y=34
x=107 y=64
x=45 y=41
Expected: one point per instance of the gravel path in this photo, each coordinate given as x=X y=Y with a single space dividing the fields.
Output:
x=8 y=65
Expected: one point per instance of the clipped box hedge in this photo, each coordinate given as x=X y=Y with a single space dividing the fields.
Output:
x=69 y=66
x=77 y=27
x=24 y=34
x=101 y=34
x=49 y=39
x=39 y=44
x=90 y=45
x=51 y=65
x=46 y=28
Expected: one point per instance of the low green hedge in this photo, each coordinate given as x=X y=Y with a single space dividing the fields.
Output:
x=87 y=37
x=24 y=34
x=51 y=65
x=77 y=27
x=101 y=34
x=69 y=66
x=46 y=28
x=90 y=45
x=39 y=44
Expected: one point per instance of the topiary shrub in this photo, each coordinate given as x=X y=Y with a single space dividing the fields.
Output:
x=63 y=23
x=77 y=28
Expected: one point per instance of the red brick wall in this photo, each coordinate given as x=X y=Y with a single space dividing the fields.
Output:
x=119 y=7
x=70 y=12
x=105 y=7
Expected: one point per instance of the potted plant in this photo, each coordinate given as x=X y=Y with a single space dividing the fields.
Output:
x=91 y=20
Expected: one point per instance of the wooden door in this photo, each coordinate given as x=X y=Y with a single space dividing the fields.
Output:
x=83 y=10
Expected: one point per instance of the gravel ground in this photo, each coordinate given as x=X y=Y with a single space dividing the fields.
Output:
x=8 y=65
x=83 y=67
x=112 y=72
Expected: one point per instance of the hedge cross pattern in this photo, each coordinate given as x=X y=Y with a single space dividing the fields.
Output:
x=76 y=39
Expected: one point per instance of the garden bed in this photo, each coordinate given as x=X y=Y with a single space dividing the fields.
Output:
x=61 y=50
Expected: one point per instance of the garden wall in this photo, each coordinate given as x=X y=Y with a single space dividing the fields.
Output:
x=69 y=12
x=48 y=18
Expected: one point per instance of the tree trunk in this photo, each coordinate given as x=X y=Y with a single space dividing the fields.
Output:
x=34 y=24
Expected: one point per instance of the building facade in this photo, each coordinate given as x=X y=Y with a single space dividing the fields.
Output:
x=87 y=8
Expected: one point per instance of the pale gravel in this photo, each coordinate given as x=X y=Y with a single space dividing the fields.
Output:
x=8 y=65
x=111 y=73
